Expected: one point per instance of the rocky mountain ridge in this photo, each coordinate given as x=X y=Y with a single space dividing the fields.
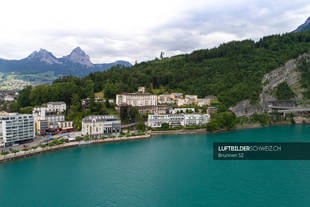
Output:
x=76 y=63
x=289 y=73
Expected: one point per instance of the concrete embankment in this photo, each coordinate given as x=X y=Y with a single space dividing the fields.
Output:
x=182 y=131
x=39 y=150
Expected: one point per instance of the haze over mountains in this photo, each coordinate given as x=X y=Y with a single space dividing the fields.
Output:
x=76 y=63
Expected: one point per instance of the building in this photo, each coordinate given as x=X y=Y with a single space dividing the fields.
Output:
x=180 y=102
x=175 y=120
x=57 y=107
x=39 y=113
x=136 y=99
x=175 y=96
x=196 y=119
x=203 y=102
x=164 y=99
x=54 y=119
x=8 y=98
x=16 y=128
x=181 y=110
x=101 y=125
x=141 y=89
x=211 y=110
x=51 y=115
x=65 y=124
x=191 y=99
x=41 y=125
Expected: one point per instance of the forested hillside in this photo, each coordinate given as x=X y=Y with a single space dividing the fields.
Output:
x=232 y=71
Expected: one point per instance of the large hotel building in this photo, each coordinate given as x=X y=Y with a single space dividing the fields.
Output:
x=136 y=99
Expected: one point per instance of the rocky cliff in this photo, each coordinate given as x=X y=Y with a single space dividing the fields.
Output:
x=289 y=73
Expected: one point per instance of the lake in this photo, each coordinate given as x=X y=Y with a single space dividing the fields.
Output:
x=170 y=170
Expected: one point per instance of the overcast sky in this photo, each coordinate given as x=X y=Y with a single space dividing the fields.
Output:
x=109 y=30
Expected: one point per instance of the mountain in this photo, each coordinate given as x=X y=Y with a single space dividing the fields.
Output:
x=78 y=56
x=304 y=26
x=76 y=63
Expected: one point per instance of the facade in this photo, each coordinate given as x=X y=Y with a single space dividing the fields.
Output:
x=175 y=120
x=191 y=99
x=175 y=96
x=136 y=99
x=54 y=119
x=180 y=102
x=16 y=128
x=57 y=107
x=41 y=125
x=203 y=102
x=65 y=124
x=101 y=125
x=181 y=110
x=39 y=113
x=196 y=119
x=164 y=99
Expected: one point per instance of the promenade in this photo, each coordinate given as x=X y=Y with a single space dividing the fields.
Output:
x=39 y=150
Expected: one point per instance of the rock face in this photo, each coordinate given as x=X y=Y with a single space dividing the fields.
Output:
x=289 y=73
x=43 y=56
x=78 y=56
x=304 y=26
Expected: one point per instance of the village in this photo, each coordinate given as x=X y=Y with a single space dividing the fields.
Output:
x=48 y=122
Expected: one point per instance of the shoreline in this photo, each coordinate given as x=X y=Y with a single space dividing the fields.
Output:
x=39 y=150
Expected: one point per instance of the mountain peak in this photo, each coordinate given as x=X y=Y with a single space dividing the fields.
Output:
x=304 y=26
x=43 y=56
x=79 y=56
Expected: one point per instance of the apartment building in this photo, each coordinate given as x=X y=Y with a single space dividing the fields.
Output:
x=175 y=120
x=101 y=125
x=15 y=128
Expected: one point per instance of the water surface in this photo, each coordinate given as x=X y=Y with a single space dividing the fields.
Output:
x=172 y=170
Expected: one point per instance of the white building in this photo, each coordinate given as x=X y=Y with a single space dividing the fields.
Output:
x=54 y=119
x=196 y=119
x=57 y=107
x=191 y=99
x=180 y=102
x=51 y=115
x=101 y=125
x=203 y=102
x=175 y=120
x=16 y=128
x=181 y=110
x=164 y=99
x=8 y=98
x=136 y=99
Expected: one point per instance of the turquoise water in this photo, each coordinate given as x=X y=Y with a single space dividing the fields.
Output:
x=170 y=171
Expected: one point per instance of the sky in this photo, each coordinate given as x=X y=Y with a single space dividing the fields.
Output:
x=138 y=30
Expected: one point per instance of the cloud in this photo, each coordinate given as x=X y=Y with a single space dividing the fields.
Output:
x=137 y=29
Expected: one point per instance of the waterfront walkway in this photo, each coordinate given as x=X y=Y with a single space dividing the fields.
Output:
x=39 y=150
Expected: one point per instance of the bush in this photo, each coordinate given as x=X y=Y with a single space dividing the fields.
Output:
x=4 y=153
x=25 y=149
x=212 y=126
